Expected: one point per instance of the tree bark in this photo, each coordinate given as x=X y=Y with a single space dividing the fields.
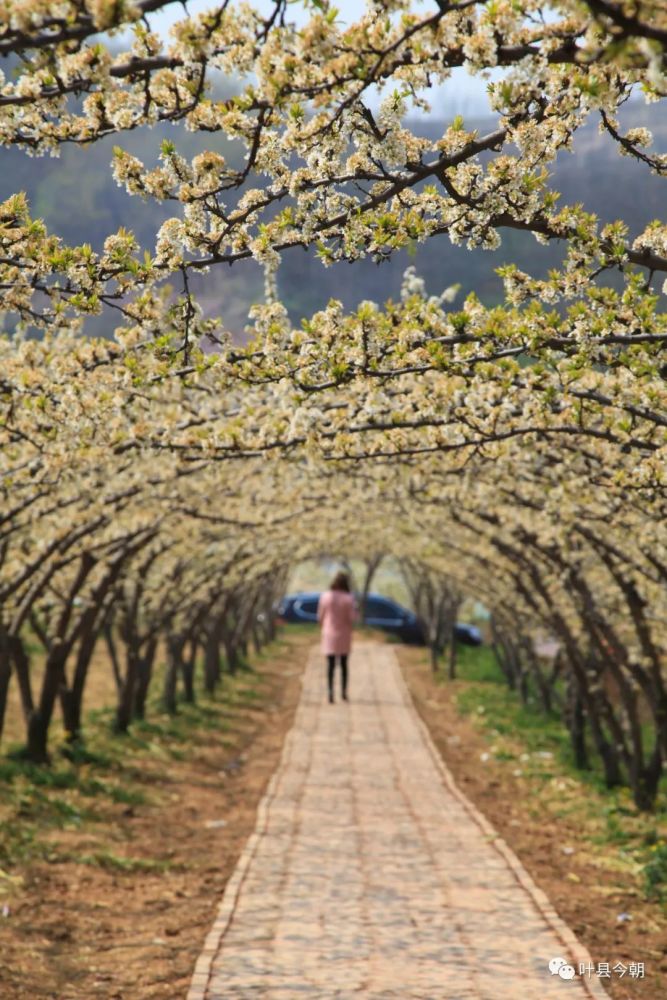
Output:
x=174 y=658
x=231 y=656
x=257 y=638
x=40 y=718
x=576 y=724
x=126 y=694
x=144 y=675
x=22 y=669
x=212 y=659
x=5 y=675
x=451 y=656
x=188 y=672
x=502 y=656
x=372 y=566
x=71 y=699
x=113 y=655
x=645 y=783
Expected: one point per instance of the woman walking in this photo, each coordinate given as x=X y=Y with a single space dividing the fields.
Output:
x=336 y=612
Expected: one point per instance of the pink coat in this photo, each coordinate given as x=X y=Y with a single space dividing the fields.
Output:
x=336 y=612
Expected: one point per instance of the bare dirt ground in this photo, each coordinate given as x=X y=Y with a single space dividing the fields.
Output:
x=130 y=925
x=587 y=888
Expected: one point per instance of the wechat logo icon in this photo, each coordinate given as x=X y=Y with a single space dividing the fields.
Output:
x=559 y=967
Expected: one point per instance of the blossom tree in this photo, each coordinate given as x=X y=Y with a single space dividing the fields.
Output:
x=155 y=494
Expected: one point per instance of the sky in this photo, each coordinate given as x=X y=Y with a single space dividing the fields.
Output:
x=462 y=94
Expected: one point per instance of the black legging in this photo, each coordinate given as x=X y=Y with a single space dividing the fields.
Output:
x=331 y=661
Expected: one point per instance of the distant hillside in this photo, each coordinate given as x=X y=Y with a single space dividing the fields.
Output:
x=79 y=200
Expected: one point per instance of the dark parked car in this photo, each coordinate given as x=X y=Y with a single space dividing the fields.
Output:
x=381 y=612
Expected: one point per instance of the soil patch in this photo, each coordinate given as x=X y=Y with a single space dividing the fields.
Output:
x=117 y=906
x=590 y=887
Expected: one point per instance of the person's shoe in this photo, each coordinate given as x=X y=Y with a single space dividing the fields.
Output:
x=344 y=695
x=331 y=698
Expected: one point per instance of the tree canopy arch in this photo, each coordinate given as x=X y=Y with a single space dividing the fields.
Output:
x=157 y=484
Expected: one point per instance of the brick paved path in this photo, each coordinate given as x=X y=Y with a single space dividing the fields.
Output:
x=370 y=875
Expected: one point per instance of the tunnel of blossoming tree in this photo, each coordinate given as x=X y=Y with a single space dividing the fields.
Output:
x=163 y=476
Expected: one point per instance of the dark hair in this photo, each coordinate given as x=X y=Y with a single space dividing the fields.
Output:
x=341 y=581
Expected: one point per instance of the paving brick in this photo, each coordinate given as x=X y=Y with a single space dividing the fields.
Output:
x=370 y=875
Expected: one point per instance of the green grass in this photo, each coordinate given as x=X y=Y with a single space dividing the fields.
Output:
x=655 y=873
x=537 y=746
x=302 y=628
x=84 y=782
x=485 y=693
x=479 y=664
x=120 y=863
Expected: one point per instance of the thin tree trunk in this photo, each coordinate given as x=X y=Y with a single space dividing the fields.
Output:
x=144 y=675
x=503 y=659
x=577 y=727
x=40 y=719
x=113 y=656
x=71 y=721
x=517 y=667
x=451 y=656
x=125 y=703
x=231 y=656
x=22 y=669
x=174 y=656
x=188 y=672
x=610 y=761
x=5 y=675
x=257 y=636
x=270 y=622
x=645 y=784
x=41 y=634
x=212 y=659
x=541 y=682
x=71 y=699
x=372 y=566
